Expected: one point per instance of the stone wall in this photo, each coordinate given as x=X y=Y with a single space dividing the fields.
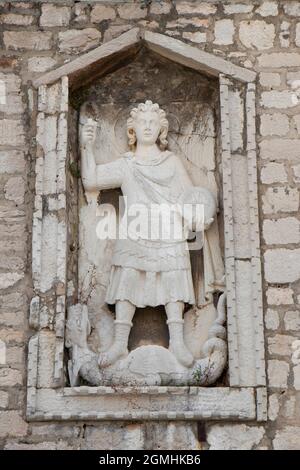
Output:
x=260 y=35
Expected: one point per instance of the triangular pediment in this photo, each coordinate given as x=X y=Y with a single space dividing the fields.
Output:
x=105 y=58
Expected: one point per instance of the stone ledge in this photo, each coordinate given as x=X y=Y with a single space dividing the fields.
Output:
x=150 y=403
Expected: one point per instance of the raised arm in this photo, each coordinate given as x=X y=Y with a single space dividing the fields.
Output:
x=96 y=177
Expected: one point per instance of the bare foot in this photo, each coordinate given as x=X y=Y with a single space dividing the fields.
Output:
x=109 y=357
x=181 y=353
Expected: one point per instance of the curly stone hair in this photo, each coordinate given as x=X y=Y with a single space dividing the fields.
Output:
x=148 y=106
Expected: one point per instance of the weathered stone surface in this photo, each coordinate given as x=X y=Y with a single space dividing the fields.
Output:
x=280 y=296
x=224 y=31
x=281 y=231
x=296 y=170
x=58 y=430
x=81 y=13
x=296 y=120
x=47 y=445
x=282 y=265
x=280 y=345
x=130 y=11
x=283 y=199
x=274 y=124
x=279 y=59
x=12 y=161
x=273 y=407
x=32 y=40
x=273 y=173
x=11 y=424
x=11 y=133
x=278 y=99
x=40 y=64
x=257 y=34
x=15 y=19
x=296 y=373
x=297 y=40
x=160 y=8
x=9 y=279
x=14 y=319
x=234 y=436
x=171 y=435
x=14 y=189
x=115 y=436
x=53 y=15
x=102 y=12
x=268 y=9
x=114 y=31
x=78 y=40
x=292 y=320
x=292 y=8
x=280 y=149
x=271 y=319
x=237 y=8
x=278 y=372
x=269 y=79
x=195 y=37
x=287 y=438
x=183 y=22
x=10 y=377
x=4 y=398
x=203 y=8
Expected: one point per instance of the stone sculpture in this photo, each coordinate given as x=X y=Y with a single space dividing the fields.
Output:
x=149 y=270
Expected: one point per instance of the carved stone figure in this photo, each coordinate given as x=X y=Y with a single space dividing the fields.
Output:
x=147 y=270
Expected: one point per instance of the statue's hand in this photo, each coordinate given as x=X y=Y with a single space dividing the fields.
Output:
x=88 y=133
x=208 y=223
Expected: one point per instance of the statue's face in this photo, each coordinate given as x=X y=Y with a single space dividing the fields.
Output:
x=147 y=127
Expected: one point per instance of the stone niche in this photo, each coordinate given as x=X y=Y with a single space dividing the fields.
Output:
x=210 y=105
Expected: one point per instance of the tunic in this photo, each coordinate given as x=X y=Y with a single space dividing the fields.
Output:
x=149 y=270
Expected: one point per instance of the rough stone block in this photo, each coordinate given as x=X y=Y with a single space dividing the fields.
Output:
x=272 y=319
x=40 y=64
x=14 y=189
x=282 y=265
x=273 y=173
x=232 y=9
x=274 y=124
x=11 y=424
x=11 y=133
x=115 y=436
x=202 y=8
x=53 y=15
x=10 y=377
x=292 y=320
x=234 y=436
x=273 y=407
x=31 y=40
x=4 y=398
x=268 y=9
x=278 y=372
x=130 y=11
x=195 y=37
x=279 y=59
x=78 y=40
x=224 y=31
x=281 y=199
x=269 y=79
x=292 y=8
x=280 y=296
x=12 y=161
x=102 y=12
x=279 y=99
x=160 y=8
x=15 y=19
x=296 y=373
x=287 y=438
x=281 y=231
x=280 y=345
x=257 y=34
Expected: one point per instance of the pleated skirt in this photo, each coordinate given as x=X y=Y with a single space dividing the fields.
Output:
x=150 y=288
